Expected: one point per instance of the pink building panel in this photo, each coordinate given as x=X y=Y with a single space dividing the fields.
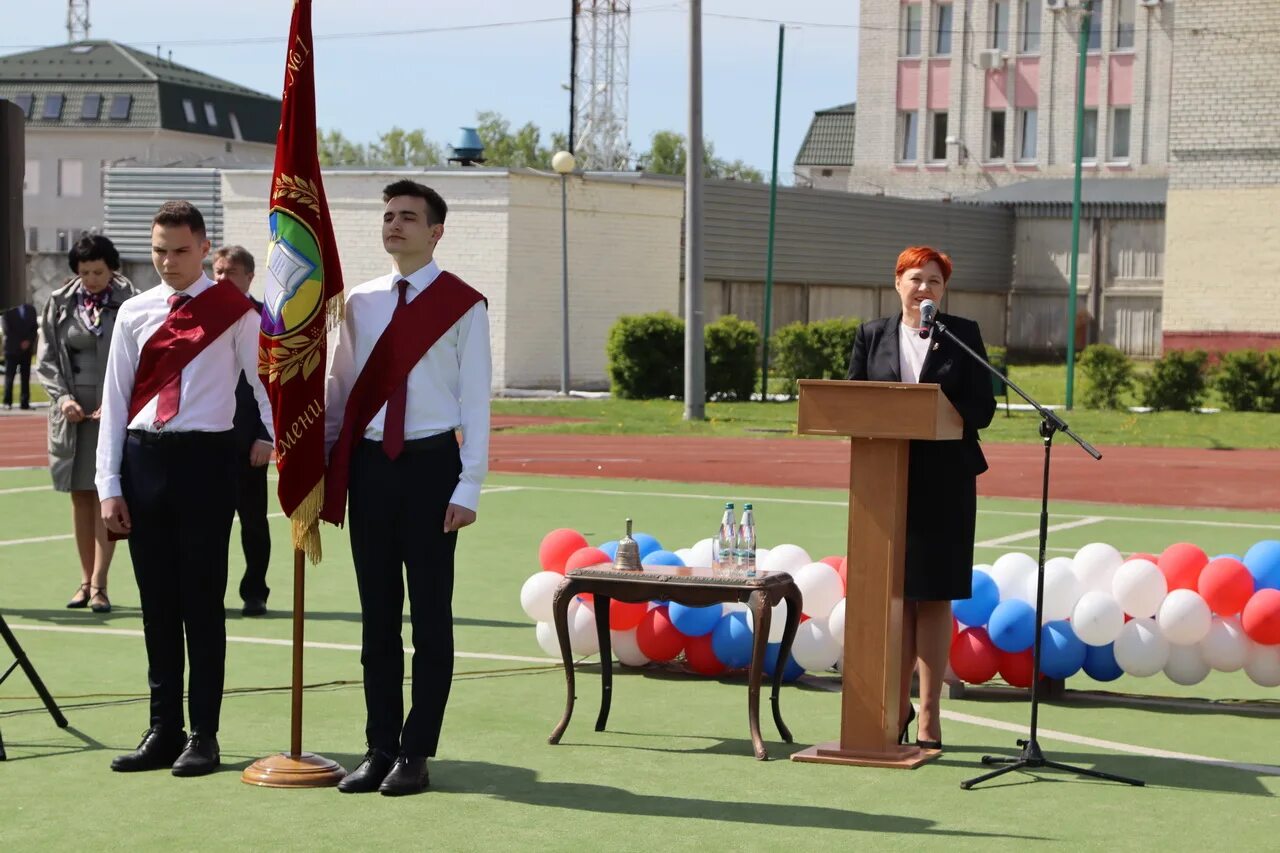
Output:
x=997 y=89
x=1120 y=80
x=909 y=84
x=939 y=84
x=1026 y=86
x=1092 y=68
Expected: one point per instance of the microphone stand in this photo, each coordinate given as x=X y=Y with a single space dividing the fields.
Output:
x=1032 y=756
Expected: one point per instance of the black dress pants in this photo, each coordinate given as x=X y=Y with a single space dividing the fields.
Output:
x=396 y=522
x=255 y=533
x=180 y=490
x=18 y=364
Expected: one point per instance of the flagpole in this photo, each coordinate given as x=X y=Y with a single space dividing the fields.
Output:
x=299 y=589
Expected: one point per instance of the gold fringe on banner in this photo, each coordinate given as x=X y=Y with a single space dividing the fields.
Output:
x=336 y=309
x=306 y=523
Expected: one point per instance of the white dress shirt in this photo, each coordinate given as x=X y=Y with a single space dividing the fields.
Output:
x=912 y=350
x=448 y=387
x=208 y=385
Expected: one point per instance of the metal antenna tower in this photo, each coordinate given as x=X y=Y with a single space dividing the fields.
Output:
x=602 y=66
x=77 y=20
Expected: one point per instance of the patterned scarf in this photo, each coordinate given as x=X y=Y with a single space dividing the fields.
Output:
x=89 y=306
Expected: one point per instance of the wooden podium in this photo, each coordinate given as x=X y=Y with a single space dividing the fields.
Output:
x=881 y=418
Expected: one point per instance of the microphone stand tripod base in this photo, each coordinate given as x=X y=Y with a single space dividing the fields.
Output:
x=282 y=770
x=1033 y=758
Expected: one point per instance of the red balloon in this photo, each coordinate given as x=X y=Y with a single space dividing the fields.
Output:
x=1226 y=585
x=1181 y=564
x=585 y=558
x=623 y=615
x=557 y=547
x=699 y=657
x=832 y=561
x=1261 y=617
x=1151 y=558
x=658 y=639
x=973 y=656
x=1016 y=668
x=843 y=569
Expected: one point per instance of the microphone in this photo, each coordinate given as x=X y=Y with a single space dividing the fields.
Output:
x=927 y=312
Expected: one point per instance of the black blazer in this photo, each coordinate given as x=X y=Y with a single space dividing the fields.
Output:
x=21 y=323
x=247 y=422
x=967 y=385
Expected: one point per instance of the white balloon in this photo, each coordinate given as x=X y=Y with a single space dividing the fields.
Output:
x=777 y=622
x=820 y=585
x=546 y=634
x=814 y=648
x=703 y=553
x=1064 y=562
x=783 y=558
x=1097 y=619
x=626 y=649
x=762 y=556
x=1139 y=587
x=1263 y=666
x=1141 y=649
x=1061 y=590
x=1184 y=617
x=1011 y=573
x=1095 y=566
x=1226 y=646
x=582 y=630
x=537 y=594
x=735 y=607
x=835 y=624
x=685 y=555
x=1186 y=665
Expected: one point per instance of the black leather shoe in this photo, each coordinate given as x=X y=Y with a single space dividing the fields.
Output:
x=254 y=607
x=366 y=778
x=199 y=758
x=160 y=747
x=408 y=776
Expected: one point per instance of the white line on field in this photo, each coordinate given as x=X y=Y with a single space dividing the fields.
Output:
x=35 y=539
x=1025 y=534
x=22 y=489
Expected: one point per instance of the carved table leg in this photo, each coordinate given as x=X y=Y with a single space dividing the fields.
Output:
x=560 y=608
x=760 y=607
x=606 y=659
x=794 y=603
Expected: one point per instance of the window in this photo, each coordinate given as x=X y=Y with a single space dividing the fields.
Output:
x=33 y=239
x=31 y=178
x=235 y=126
x=1030 y=26
x=1095 y=26
x=91 y=107
x=995 y=135
x=1026 y=135
x=1119 y=133
x=999 y=21
x=1089 y=135
x=938 y=137
x=1124 y=25
x=910 y=42
x=53 y=106
x=70 y=178
x=908 y=130
x=120 y=107
x=942 y=29
x=189 y=110
x=24 y=103
x=210 y=115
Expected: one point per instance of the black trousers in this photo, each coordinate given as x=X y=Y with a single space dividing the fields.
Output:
x=255 y=533
x=180 y=490
x=396 y=522
x=19 y=364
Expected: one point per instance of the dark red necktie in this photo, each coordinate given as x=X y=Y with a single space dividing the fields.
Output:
x=393 y=427
x=170 y=396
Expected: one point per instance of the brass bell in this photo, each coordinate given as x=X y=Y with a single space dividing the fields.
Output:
x=627 y=559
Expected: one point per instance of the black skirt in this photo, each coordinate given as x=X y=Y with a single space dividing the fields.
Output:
x=941 y=515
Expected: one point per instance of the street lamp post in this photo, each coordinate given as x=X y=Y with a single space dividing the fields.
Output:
x=563 y=163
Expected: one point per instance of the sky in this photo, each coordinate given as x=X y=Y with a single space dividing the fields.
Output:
x=439 y=80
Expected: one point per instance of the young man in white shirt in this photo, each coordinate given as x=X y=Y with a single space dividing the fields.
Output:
x=166 y=476
x=411 y=366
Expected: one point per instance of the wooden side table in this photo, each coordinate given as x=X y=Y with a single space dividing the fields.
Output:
x=694 y=587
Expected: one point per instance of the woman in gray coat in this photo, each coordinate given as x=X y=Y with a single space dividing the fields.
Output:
x=75 y=331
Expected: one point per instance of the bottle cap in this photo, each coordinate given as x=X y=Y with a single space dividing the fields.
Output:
x=746 y=506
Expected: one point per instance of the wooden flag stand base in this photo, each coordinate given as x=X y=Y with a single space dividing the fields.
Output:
x=903 y=758
x=295 y=769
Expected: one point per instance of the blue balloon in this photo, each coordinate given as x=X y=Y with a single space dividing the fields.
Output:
x=1012 y=626
x=694 y=621
x=647 y=544
x=1100 y=663
x=790 y=673
x=610 y=548
x=1263 y=562
x=975 y=610
x=1061 y=651
x=660 y=558
x=731 y=640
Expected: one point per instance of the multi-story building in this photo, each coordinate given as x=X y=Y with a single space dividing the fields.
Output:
x=961 y=96
x=826 y=155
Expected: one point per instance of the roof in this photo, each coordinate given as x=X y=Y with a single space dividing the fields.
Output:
x=829 y=141
x=1130 y=198
x=159 y=92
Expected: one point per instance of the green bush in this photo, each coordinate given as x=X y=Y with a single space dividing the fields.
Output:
x=732 y=346
x=1176 y=381
x=1241 y=379
x=814 y=351
x=1109 y=372
x=646 y=356
x=835 y=341
x=1270 y=402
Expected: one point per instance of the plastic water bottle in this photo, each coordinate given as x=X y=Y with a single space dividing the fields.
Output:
x=723 y=556
x=747 y=541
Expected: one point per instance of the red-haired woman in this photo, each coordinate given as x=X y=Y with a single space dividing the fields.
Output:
x=942 y=478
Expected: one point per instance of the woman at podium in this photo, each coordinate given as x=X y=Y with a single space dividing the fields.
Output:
x=942 y=478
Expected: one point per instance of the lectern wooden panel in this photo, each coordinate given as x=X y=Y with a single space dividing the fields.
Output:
x=881 y=419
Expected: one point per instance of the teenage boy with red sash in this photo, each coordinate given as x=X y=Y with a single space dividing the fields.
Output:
x=167 y=477
x=411 y=366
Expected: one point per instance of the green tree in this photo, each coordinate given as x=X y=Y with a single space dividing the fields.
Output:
x=398 y=147
x=668 y=154
x=521 y=148
x=337 y=150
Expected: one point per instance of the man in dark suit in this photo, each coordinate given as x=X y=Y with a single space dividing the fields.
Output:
x=21 y=325
x=236 y=264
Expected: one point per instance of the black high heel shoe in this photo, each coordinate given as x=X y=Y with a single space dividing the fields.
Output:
x=911 y=715
x=929 y=744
